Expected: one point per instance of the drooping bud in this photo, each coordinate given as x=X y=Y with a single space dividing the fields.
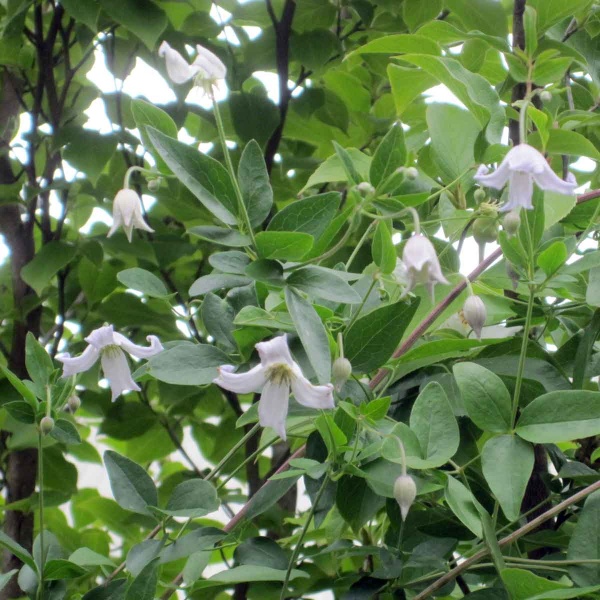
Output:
x=511 y=222
x=341 y=371
x=479 y=195
x=475 y=314
x=74 y=403
x=546 y=96
x=412 y=173
x=405 y=492
x=46 y=425
x=485 y=230
x=365 y=189
x=154 y=184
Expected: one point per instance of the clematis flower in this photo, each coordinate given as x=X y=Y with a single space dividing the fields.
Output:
x=422 y=264
x=521 y=167
x=206 y=70
x=276 y=374
x=127 y=213
x=107 y=345
x=475 y=314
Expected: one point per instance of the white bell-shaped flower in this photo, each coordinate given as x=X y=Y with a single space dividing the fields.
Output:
x=405 y=492
x=522 y=166
x=127 y=213
x=207 y=69
x=276 y=374
x=107 y=345
x=475 y=314
x=422 y=264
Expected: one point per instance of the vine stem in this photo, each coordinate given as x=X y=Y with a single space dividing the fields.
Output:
x=234 y=181
x=40 y=589
x=296 y=551
x=509 y=539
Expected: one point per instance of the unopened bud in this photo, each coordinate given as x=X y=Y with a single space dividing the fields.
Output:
x=154 y=184
x=405 y=492
x=46 y=425
x=475 y=313
x=479 y=195
x=364 y=188
x=74 y=403
x=485 y=230
x=511 y=222
x=341 y=371
x=412 y=173
x=546 y=96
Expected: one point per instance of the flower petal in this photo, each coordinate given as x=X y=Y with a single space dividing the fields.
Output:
x=101 y=337
x=116 y=370
x=241 y=383
x=496 y=179
x=273 y=407
x=78 y=364
x=520 y=192
x=548 y=180
x=139 y=351
x=307 y=394
x=177 y=67
x=211 y=64
x=275 y=351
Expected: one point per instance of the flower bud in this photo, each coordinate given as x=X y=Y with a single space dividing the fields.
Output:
x=405 y=492
x=511 y=222
x=485 y=230
x=546 y=96
x=475 y=313
x=154 y=184
x=412 y=173
x=74 y=403
x=479 y=195
x=365 y=189
x=341 y=371
x=46 y=425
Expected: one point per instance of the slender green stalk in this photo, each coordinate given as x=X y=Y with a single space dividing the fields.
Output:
x=228 y=456
x=40 y=589
x=523 y=122
x=292 y=562
x=523 y=355
x=229 y=164
x=362 y=304
x=358 y=246
x=130 y=172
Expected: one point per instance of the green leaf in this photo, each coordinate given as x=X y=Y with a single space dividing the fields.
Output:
x=38 y=362
x=187 y=364
x=267 y=496
x=192 y=499
x=6 y=577
x=372 y=339
x=65 y=432
x=310 y=215
x=204 y=176
x=485 y=397
x=434 y=424
x=115 y=590
x=487 y=16
x=407 y=84
x=249 y=573
x=507 y=463
x=323 y=283
x=592 y=293
x=402 y=43
x=86 y=557
x=523 y=585
x=356 y=501
x=62 y=569
x=142 y=17
x=551 y=12
x=21 y=388
x=312 y=334
x=550 y=71
x=88 y=151
x=49 y=260
x=84 y=12
x=473 y=90
x=553 y=257
x=332 y=170
x=254 y=116
x=23 y=555
x=383 y=249
x=283 y=245
x=20 y=411
x=261 y=551
x=143 y=281
x=333 y=437
x=561 y=141
x=417 y=12
x=217 y=281
x=255 y=184
x=217 y=316
x=585 y=543
x=231 y=261
x=144 y=585
x=267 y=271
x=352 y=174
x=560 y=417
x=389 y=156
x=145 y=114
x=221 y=235
x=463 y=505
x=132 y=487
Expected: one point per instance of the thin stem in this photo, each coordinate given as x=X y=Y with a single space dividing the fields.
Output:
x=130 y=172
x=523 y=122
x=522 y=356
x=358 y=246
x=40 y=589
x=229 y=164
x=362 y=304
x=228 y=456
x=292 y=562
